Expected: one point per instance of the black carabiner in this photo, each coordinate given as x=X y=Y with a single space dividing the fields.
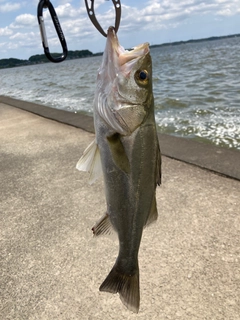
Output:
x=91 y=14
x=47 y=4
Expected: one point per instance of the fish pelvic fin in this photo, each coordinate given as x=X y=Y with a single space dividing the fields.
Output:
x=126 y=285
x=103 y=226
x=91 y=162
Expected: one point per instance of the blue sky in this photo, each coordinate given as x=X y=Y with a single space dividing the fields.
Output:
x=155 y=21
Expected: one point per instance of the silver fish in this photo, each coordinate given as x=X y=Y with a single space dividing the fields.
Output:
x=126 y=150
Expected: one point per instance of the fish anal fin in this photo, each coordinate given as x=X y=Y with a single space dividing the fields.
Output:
x=153 y=214
x=103 y=226
x=118 y=153
x=91 y=162
x=126 y=285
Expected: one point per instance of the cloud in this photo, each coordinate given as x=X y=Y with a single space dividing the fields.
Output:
x=141 y=17
x=22 y=40
x=23 y=36
x=8 y=7
x=5 y=31
x=26 y=20
x=227 y=8
x=167 y=14
x=67 y=11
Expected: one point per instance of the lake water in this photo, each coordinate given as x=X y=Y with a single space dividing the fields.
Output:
x=196 y=88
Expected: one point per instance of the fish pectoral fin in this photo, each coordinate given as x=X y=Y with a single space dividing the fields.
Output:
x=118 y=153
x=103 y=226
x=126 y=285
x=153 y=214
x=91 y=162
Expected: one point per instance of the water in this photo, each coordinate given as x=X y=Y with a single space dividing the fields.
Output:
x=196 y=88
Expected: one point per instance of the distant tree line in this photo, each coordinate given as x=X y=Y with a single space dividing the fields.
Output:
x=12 y=62
x=176 y=43
x=41 y=58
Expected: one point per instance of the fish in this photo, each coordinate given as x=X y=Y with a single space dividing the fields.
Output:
x=126 y=152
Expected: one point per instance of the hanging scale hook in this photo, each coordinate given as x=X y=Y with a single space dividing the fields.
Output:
x=91 y=14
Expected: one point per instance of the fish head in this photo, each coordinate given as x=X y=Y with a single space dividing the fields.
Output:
x=124 y=90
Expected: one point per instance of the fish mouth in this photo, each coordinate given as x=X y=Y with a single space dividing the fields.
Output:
x=121 y=57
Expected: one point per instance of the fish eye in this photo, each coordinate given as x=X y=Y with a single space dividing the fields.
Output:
x=142 y=76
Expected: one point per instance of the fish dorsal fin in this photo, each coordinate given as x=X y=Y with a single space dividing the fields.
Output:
x=91 y=162
x=153 y=214
x=103 y=226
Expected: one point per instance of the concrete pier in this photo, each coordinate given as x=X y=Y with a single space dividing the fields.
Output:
x=51 y=266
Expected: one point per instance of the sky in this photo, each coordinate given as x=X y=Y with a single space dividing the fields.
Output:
x=155 y=21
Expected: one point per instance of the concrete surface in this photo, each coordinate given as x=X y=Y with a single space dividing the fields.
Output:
x=220 y=160
x=51 y=267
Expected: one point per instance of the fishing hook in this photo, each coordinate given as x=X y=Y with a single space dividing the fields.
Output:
x=91 y=14
x=47 y=4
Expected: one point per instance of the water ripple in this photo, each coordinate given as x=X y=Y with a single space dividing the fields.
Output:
x=196 y=88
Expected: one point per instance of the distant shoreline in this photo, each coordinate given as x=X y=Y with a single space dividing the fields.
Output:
x=175 y=43
x=77 y=54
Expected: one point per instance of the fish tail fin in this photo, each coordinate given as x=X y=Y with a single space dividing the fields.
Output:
x=126 y=285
